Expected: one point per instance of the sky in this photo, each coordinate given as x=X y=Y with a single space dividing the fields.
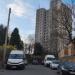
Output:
x=23 y=14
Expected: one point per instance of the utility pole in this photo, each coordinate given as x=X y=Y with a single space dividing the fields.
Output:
x=6 y=38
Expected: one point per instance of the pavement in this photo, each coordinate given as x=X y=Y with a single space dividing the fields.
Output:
x=30 y=70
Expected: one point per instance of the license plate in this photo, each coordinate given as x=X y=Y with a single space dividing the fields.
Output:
x=13 y=66
x=72 y=72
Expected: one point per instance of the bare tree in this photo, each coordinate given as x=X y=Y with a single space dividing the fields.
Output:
x=64 y=14
x=67 y=21
x=31 y=38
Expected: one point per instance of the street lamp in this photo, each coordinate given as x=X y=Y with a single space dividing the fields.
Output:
x=6 y=37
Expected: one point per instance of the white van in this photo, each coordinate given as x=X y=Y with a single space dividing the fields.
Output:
x=48 y=59
x=16 y=59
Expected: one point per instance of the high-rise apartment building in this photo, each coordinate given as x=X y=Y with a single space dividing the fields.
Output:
x=60 y=19
x=40 y=25
x=50 y=27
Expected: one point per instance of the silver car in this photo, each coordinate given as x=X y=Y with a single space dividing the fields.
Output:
x=54 y=64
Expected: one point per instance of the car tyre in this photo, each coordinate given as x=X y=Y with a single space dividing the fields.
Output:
x=23 y=67
x=6 y=67
x=51 y=68
x=62 y=73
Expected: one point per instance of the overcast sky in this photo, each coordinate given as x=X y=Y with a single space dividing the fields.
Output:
x=23 y=15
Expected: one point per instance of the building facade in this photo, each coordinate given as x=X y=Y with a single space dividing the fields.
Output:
x=40 y=25
x=61 y=19
x=50 y=27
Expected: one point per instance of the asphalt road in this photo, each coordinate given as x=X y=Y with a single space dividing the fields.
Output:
x=30 y=70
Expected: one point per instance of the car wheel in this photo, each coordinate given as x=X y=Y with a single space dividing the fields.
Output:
x=51 y=68
x=58 y=72
x=23 y=67
x=6 y=67
x=62 y=73
x=45 y=65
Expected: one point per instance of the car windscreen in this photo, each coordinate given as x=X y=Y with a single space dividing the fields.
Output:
x=70 y=64
x=50 y=58
x=16 y=56
x=56 y=62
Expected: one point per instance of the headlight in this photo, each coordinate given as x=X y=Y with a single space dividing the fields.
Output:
x=63 y=68
x=8 y=62
x=21 y=62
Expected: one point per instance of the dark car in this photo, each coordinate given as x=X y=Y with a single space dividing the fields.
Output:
x=66 y=68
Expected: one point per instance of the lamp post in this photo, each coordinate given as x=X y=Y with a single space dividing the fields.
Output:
x=6 y=38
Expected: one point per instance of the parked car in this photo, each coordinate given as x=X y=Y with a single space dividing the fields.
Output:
x=48 y=59
x=16 y=59
x=54 y=64
x=66 y=68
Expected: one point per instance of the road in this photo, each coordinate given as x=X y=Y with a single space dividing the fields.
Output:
x=30 y=70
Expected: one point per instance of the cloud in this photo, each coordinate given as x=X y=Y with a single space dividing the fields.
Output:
x=16 y=9
x=21 y=8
